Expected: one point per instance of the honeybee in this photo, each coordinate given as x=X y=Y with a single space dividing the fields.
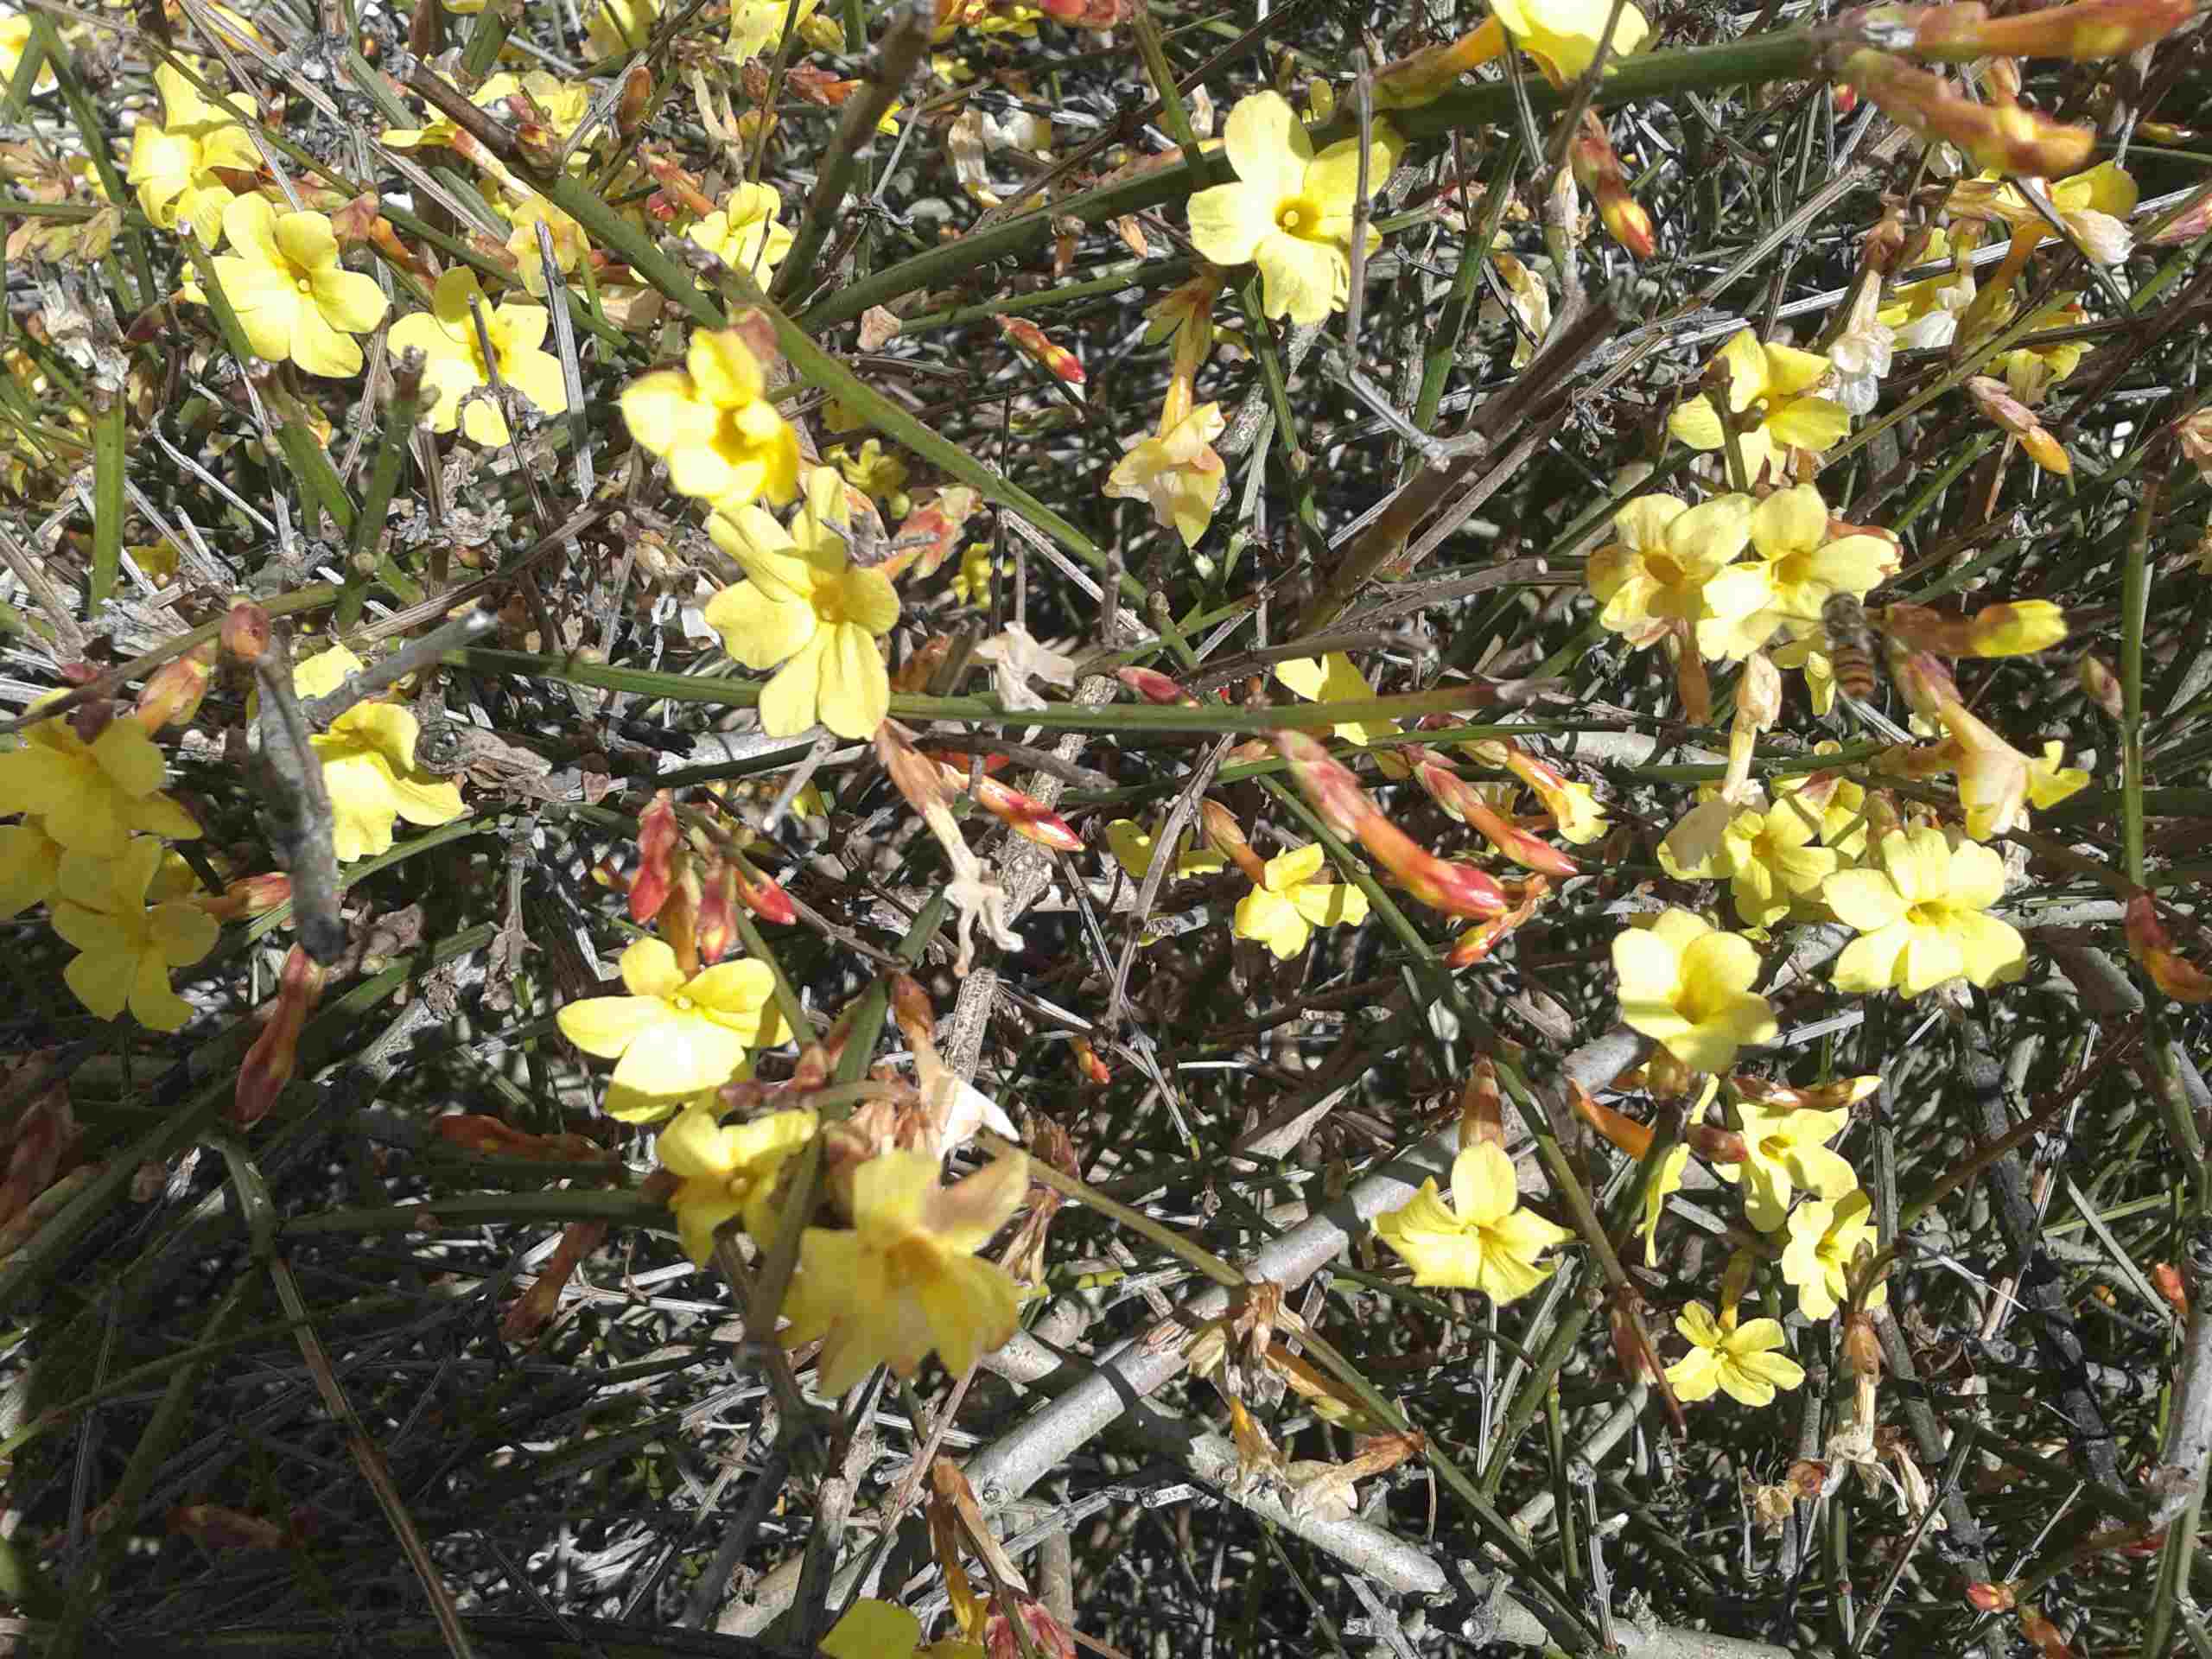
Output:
x=1851 y=646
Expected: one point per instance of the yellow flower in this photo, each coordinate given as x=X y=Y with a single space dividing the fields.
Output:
x=1282 y=913
x=15 y=41
x=1670 y=570
x=1806 y=566
x=1997 y=781
x=1290 y=211
x=93 y=796
x=1785 y=1151
x=1740 y=1361
x=2094 y=204
x=1483 y=1240
x=126 y=949
x=971 y=582
x=674 y=1037
x=726 y=1171
x=1771 y=398
x=2032 y=370
x=30 y=865
x=1922 y=918
x=293 y=298
x=1134 y=847
x=723 y=439
x=1178 y=472
x=559 y=104
x=1825 y=1240
x=755 y=26
x=905 y=1280
x=1687 y=986
x=368 y=764
x=447 y=335
x=744 y=233
x=569 y=243
x=1772 y=862
x=618 y=25
x=879 y=1630
x=1926 y=313
x=173 y=164
x=806 y=606
x=873 y=472
x=1562 y=35
x=1667 y=1178
x=1336 y=678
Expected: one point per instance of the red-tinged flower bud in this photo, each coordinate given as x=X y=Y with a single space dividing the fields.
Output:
x=245 y=631
x=2191 y=223
x=2009 y=138
x=1482 y=1107
x=249 y=896
x=1328 y=786
x=1444 y=884
x=1455 y=794
x=761 y=893
x=1625 y=1134
x=1846 y=96
x=2166 y=1280
x=1084 y=14
x=1089 y=1065
x=45 y=1130
x=2007 y=413
x=2083 y=32
x=1048 y=1638
x=658 y=838
x=1715 y=1145
x=1597 y=170
x=1058 y=361
x=350 y=224
x=926 y=536
x=1426 y=75
x=1987 y=1598
x=1630 y=1351
x=173 y=693
x=1154 y=687
x=637 y=96
x=1226 y=837
x=2044 y=1635
x=1025 y=815
x=1475 y=944
x=2153 y=947
x=276 y=1053
x=714 y=931
x=1927 y=684
x=533 y=1310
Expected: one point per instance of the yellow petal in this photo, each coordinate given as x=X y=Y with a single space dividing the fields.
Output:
x=1266 y=146
x=606 y=1026
x=649 y=969
x=854 y=695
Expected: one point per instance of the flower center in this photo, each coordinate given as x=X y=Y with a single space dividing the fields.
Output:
x=1666 y=570
x=681 y=1003
x=1929 y=915
x=1298 y=216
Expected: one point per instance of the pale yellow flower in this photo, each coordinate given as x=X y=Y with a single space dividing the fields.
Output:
x=1773 y=396
x=1825 y=1242
x=674 y=1037
x=728 y=1171
x=881 y=1629
x=91 y=797
x=1667 y=1178
x=618 y=25
x=712 y=423
x=744 y=233
x=1336 y=678
x=1483 y=1240
x=1562 y=35
x=1282 y=913
x=1786 y=1151
x=15 y=41
x=368 y=764
x=126 y=948
x=293 y=299
x=1687 y=987
x=1772 y=861
x=173 y=164
x=1806 y=566
x=1671 y=570
x=1134 y=846
x=757 y=26
x=1922 y=917
x=2094 y=204
x=447 y=336
x=1740 y=1361
x=1177 y=471
x=1290 y=211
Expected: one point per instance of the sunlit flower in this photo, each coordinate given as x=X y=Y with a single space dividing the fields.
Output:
x=712 y=423
x=727 y=1170
x=1670 y=571
x=756 y=26
x=173 y=164
x=1290 y=211
x=1740 y=1361
x=1825 y=1241
x=616 y=26
x=1283 y=911
x=91 y=797
x=15 y=41
x=905 y=1280
x=30 y=865
x=447 y=336
x=806 y=609
x=526 y=213
x=971 y=582
x=1785 y=1151
x=744 y=233
x=1922 y=915
x=1483 y=1240
x=556 y=104
x=2093 y=205
x=1997 y=782
x=1134 y=846
x=1336 y=678
x=126 y=948
x=674 y=1037
x=368 y=764
x=881 y=1629
x=293 y=298
x=1177 y=471
x=1687 y=986
x=1773 y=399
x=875 y=471
x=1773 y=864
x=1806 y=565
x=1926 y=313
x=1562 y=35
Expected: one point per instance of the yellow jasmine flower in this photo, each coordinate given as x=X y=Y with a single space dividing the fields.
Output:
x=1810 y=657
x=558 y=104
x=1483 y=1240
x=1843 y=809
x=1806 y=566
x=1336 y=678
x=1697 y=847
x=673 y=1037
x=879 y=1630
x=447 y=335
x=1921 y=917
x=618 y=25
x=2094 y=204
x=971 y=582
x=756 y=26
x=1740 y=1361
x=726 y=1171
x=1772 y=862
x=1772 y=398
x=711 y=422
x=30 y=865
x=806 y=606
x=906 y=1280
x=91 y=797
x=1926 y=313
x=293 y=298
x=127 y=948
x=1177 y=470
x=368 y=764
x=1825 y=1240
x=1562 y=35
x=1687 y=986
x=1670 y=573
x=873 y=472
x=1292 y=901
x=1997 y=782
x=1290 y=211
x=1134 y=846
x=569 y=243
x=15 y=41
x=744 y=233
x=1785 y=1150
x=2032 y=370
x=173 y=164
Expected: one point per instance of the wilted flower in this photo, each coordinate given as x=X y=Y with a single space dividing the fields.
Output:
x=1177 y=471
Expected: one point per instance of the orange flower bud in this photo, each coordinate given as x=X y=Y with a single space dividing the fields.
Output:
x=1328 y=785
x=1154 y=687
x=1025 y=815
x=1226 y=837
x=713 y=931
x=1479 y=941
x=657 y=839
x=637 y=95
x=1482 y=1109
x=2153 y=947
x=2085 y=31
x=1425 y=76
x=1058 y=361
x=2189 y=226
x=1088 y=1064
x=1625 y=1134
x=2002 y=409
x=249 y=896
x=245 y=631
x=2044 y=1635
x=1455 y=794
x=760 y=893
x=2166 y=1280
x=1597 y=170
x=174 y=690
x=270 y=1063
x=533 y=1310
x=1862 y=1348
x=1444 y=884
x=2008 y=139
x=1987 y=1598
x=1083 y=13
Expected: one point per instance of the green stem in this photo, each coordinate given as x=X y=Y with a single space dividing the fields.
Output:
x=368 y=522
x=107 y=496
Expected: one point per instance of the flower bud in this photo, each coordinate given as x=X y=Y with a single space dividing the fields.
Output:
x=1327 y=785
x=1428 y=74
x=275 y=1055
x=1154 y=687
x=714 y=932
x=2102 y=686
x=1986 y=1597
x=1458 y=797
x=2082 y=32
x=245 y=631
x=658 y=840
x=172 y=691
x=637 y=97
x=1482 y=1109
x=2151 y=946
x=1597 y=170
x=1625 y=1133
x=1226 y=837
x=2194 y=434
x=760 y=892
x=2008 y=139
x=1059 y=362
x=1087 y=1066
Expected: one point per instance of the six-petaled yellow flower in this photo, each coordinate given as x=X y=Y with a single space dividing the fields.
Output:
x=1670 y=572
x=1687 y=985
x=91 y=797
x=905 y=1281
x=1483 y=1240
x=1177 y=471
x=728 y=1171
x=673 y=1037
x=447 y=335
x=1775 y=404
x=127 y=947
x=1282 y=912
x=744 y=233
x=712 y=423
x=368 y=764
x=172 y=162
x=1826 y=1240
x=757 y=25
x=1290 y=211
x=1921 y=912
x=804 y=605
x=1738 y=1361
x=1785 y=1151
x=293 y=299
